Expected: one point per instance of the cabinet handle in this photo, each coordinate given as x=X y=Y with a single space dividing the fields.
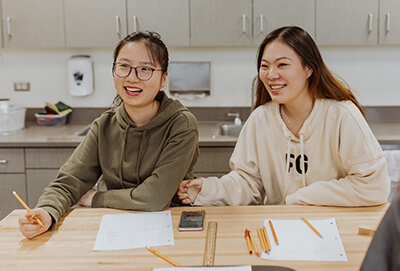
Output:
x=3 y=161
x=117 y=23
x=9 y=25
x=244 y=23
x=370 y=23
x=134 y=24
x=261 y=23
x=387 y=22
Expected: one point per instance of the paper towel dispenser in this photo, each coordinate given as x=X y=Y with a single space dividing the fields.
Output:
x=189 y=78
x=80 y=75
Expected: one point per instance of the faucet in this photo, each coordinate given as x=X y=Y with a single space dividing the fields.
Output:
x=237 y=120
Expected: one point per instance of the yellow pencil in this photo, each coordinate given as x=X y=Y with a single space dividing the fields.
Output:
x=264 y=230
x=253 y=243
x=165 y=258
x=273 y=232
x=311 y=226
x=262 y=240
x=27 y=207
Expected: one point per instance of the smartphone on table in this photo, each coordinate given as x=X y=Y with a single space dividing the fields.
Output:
x=191 y=221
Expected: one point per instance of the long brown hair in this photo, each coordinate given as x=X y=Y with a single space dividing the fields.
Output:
x=322 y=84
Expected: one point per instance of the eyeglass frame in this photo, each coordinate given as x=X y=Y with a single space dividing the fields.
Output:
x=136 y=72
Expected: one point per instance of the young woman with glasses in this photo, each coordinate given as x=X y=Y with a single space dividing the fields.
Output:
x=306 y=142
x=142 y=147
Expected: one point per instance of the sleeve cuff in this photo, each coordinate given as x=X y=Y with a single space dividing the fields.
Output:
x=290 y=200
x=98 y=200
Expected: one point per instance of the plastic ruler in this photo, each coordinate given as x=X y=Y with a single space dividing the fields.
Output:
x=211 y=239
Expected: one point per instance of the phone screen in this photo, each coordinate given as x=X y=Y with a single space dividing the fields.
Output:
x=192 y=221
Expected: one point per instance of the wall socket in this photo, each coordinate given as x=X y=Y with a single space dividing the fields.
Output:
x=22 y=86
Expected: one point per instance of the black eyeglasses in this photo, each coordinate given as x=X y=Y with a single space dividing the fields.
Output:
x=123 y=70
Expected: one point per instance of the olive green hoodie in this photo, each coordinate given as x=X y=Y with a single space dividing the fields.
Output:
x=142 y=166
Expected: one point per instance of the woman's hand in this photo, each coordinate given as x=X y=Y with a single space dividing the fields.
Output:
x=30 y=227
x=86 y=200
x=188 y=190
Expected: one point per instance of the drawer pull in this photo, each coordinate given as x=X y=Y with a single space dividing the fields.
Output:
x=244 y=23
x=9 y=26
x=3 y=161
x=387 y=22
x=370 y=23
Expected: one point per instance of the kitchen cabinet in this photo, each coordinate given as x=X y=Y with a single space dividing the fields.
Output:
x=272 y=14
x=389 y=22
x=33 y=23
x=103 y=26
x=42 y=166
x=347 y=22
x=169 y=18
x=12 y=178
x=221 y=22
x=213 y=161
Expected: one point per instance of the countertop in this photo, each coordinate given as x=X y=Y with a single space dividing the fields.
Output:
x=64 y=136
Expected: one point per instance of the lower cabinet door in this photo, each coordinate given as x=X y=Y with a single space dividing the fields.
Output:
x=9 y=183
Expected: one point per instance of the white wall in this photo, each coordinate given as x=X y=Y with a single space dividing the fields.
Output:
x=373 y=73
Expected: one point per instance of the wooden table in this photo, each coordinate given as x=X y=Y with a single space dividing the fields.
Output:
x=70 y=245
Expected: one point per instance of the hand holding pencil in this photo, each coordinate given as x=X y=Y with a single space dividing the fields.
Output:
x=30 y=222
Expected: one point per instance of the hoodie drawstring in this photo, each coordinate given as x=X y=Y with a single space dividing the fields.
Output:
x=140 y=155
x=122 y=155
x=303 y=168
x=287 y=166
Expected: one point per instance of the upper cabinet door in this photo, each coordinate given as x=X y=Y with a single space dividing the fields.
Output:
x=389 y=22
x=33 y=23
x=272 y=14
x=221 y=22
x=347 y=22
x=94 y=23
x=168 y=18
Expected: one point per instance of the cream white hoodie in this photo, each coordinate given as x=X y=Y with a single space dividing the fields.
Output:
x=344 y=163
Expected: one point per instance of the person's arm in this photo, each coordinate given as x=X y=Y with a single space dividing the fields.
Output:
x=77 y=176
x=366 y=182
x=156 y=192
x=384 y=249
x=241 y=186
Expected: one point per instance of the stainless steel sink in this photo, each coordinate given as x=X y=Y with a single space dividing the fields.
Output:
x=227 y=129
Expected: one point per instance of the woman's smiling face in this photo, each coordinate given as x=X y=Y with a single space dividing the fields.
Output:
x=283 y=74
x=133 y=91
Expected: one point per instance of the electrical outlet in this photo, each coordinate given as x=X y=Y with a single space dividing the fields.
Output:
x=22 y=86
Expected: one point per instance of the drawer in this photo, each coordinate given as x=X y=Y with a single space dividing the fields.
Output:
x=214 y=159
x=47 y=157
x=12 y=160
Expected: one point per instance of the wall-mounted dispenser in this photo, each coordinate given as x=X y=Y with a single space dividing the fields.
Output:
x=80 y=75
x=189 y=80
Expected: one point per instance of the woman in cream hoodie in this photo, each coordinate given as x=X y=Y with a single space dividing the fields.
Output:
x=306 y=142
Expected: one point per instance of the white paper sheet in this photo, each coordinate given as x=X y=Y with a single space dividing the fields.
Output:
x=297 y=241
x=125 y=231
x=208 y=268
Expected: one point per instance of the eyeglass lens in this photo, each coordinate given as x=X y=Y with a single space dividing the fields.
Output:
x=142 y=72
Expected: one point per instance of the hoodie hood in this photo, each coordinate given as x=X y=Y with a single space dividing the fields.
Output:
x=168 y=108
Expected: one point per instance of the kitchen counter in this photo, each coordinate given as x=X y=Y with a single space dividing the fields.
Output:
x=65 y=136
